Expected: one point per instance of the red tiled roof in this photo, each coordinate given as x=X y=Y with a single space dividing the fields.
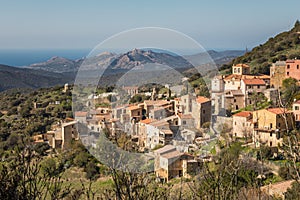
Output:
x=201 y=99
x=243 y=114
x=172 y=154
x=278 y=111
x=146 y=121
x=80 y=114
x=254 y=81
x=238 y=77
x=297 y=102
x=134 y=108
x=231 y=76
x=186 y=116
x=293 y=61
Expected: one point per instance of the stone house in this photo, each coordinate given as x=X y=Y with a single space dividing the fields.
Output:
x=251 y=86
x=201 y=111
x=270 y=124
x=293 y=69
x=234 y=100
x=281 y=70
x=170 y=163
x=242 y=126
x=241 y=69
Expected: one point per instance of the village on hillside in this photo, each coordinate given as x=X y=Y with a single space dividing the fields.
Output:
x=180 y=132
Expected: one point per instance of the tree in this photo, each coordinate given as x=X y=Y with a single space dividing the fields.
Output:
x=20 y=178
x=289 y=91
x=48 y=167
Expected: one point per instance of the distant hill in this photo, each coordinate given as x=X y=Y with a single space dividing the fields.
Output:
x=138 y=58
x=13 y=77
x=283 y=46
x=134 y=59
x=219 y=57
x=58 y=70
x=57 y=64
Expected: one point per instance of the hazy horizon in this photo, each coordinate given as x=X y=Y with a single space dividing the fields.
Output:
x=82 y=25
x=25 y=57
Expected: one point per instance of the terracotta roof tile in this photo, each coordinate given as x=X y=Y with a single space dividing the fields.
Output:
x=146 y=121
x=201 y=99
x=254 y=81
x=172 y=154
x=278 y=111
x=243 y=114
x=80 y=114
x=186 y=116
x=134 y=108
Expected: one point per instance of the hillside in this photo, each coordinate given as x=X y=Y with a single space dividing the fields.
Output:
x=57 y=64
x=12 y=77
x=283 y=46
x=219 y=57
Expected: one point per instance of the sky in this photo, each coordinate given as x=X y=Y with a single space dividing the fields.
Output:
x=58 y=24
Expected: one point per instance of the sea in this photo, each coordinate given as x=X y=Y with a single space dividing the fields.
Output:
x=25 y=57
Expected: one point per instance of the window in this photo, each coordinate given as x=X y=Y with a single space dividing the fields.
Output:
x=288 y=73
x=270 y=144
x=258 y=86
x=236 y=107
x=296 y=107
x=234 y=100
x=234 y=123
x=138 y=113
x=239 y=70
x=297 y=66
x=183 y=122
x=288 y=66
x=271 y=125
x=270 y=134
x=279 y=125
x=203 y=111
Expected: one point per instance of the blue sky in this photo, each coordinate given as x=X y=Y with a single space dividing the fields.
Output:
x=84 y=24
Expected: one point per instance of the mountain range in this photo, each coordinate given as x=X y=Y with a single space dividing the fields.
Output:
x=58 y=70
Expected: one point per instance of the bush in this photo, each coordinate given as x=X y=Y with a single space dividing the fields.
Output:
x=48 y=167
x=81 y=159
x=92 y=171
